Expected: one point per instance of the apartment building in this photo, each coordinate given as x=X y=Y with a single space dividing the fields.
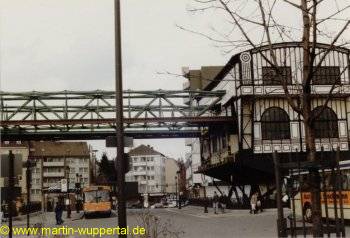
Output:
x=56 y=161
x=147 y=167
x=171 y=169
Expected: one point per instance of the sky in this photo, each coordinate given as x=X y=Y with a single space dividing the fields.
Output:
x=51 y=45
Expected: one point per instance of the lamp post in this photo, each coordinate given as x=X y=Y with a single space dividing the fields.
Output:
x=120 y=163
x=205 y=194
x=28 y=165
x=78 y=191
x=67 y=194
x=179 y=192
x=177 y=201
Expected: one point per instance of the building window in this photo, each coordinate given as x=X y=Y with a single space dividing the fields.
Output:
x=275 y=124
x=276 y=75
x=326 y=75
x=326 y=124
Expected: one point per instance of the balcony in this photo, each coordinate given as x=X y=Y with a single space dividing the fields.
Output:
x=142 y=172
x=54 y=174
x=53 y=164
x=47 y=185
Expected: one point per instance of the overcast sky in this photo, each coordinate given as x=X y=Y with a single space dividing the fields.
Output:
x=54 y=45
x=50 y=45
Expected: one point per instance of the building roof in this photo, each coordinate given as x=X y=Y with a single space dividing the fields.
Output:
x=59 y=149
x=144 y=150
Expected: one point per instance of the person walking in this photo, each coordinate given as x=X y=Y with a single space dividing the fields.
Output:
x=259 y=207
x=223 y=203
x=215 y=202
x=253 y=201
x=58 y=212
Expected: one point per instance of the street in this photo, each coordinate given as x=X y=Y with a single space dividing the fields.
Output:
x=189 y=222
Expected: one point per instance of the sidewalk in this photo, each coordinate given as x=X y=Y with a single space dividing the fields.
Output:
x=47 y=219
x=197 y=211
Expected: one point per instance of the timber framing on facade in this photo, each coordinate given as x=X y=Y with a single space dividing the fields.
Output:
x=264 y=121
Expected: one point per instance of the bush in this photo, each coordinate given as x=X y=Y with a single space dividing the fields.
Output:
x=155 y=228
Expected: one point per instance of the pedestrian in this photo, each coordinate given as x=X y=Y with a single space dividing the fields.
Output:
x=259 y=204
x=253 y=201
x=215 y=202
x=58 y=212
x=223 y=199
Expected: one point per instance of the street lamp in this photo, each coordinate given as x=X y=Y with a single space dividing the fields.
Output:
x=68 y=200
x=177 y=201
x=78 y=191
x=179 y=193
x=205 y=194
x=28 y=165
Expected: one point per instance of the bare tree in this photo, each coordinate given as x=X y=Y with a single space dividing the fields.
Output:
x=254 y=23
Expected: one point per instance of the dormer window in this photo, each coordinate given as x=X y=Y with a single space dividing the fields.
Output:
x=276 y=75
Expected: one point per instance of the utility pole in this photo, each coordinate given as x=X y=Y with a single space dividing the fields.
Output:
x=11 y=188
x=120 y=163
x=28 y=185
x=177 y=200
x=28 y=164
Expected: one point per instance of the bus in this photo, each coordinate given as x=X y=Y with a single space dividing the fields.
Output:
x=302 y=200
x=97 y=200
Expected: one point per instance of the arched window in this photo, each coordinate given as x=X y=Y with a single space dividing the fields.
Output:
x=326 y=124
x=275 y=124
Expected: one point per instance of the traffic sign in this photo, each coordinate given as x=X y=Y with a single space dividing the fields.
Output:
x=64 y=185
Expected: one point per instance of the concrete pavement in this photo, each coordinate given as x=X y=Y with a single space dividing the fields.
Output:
x=190 y=222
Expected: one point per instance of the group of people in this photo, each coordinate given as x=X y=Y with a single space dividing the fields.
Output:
x=255 y=204
x=222 y=201
x=219 y=202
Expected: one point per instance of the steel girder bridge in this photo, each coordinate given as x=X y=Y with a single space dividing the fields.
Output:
x=91 y=114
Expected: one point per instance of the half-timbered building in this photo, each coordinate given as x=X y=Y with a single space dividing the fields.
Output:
x=263 y=120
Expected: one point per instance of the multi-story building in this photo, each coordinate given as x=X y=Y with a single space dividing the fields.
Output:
x=198 y=185
x=263 y=120
x=56 y=161
x=147 y=167
x=171 y=169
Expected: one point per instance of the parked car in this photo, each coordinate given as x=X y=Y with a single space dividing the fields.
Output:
x=136 y=204
x=171 y=204
x=157 y=205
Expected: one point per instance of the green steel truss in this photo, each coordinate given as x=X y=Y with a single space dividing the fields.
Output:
x=93 y=112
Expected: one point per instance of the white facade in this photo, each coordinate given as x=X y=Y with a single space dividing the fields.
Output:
x=149 y=172
x=171 y=168
x=52 y=171
x=263 y=120
x=194 y=157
